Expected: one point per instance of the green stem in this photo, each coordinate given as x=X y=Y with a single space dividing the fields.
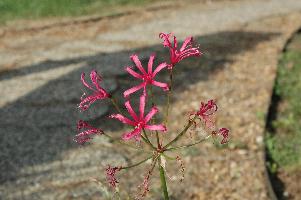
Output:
x=115 y=104
x=169 y=94
x=148 y=142
x=163 y=181
x=139 y=163
x=147 y=139
x=158 y=139
x=181 y=133
x=189 y=145
x=151 y=96
x=168 y=157
x=153 y=120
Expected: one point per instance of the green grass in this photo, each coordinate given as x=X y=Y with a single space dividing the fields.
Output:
x=284 y=146
x=36 y=9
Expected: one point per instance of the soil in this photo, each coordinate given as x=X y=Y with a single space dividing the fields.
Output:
x=39 y=82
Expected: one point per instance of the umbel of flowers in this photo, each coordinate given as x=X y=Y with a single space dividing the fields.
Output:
x=143 y=125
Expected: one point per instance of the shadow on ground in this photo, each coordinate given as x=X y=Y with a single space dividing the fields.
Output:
x=39 y=126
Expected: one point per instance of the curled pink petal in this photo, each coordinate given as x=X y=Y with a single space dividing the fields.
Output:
x=150 y=64
x=133 y=73
x=161 y=85
x=188 y=41
x=224 y=132
x=98 y=92
x=142 y=106
x=166 y=41
x=96 y=79
x=134 y=134
x=82 y=124
x=86 y=102
x=175 y=42
x=188 y=53
x=152 y=112
x=122 y=119
x=159 y=68
x=206 y=113
x=130 y=110
x=84 y=136
x=82 y=77
x=138 y=64
x=207 y=109
x=159 y=127
x=127 y=93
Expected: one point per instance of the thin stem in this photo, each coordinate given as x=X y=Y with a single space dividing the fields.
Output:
x=148 y=142
x=153 y=120
x=115 y=104
x=163 y=181
x=168 y=157
x=158 y=140
x=146 y=137
x=189 y=145
x=151 y=96
x=139 y=163
x=169 y=95
x=181 y=133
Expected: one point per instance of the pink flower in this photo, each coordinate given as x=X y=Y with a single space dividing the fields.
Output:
x=146 y=77
x=207 y=109
x=85 y=136
x=187 y=49
x=224 y=132
x=98 y=91
x=139 y=122
x=111 y=172
x=206 y=112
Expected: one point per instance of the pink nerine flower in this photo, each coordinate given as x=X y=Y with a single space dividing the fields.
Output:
x=85 y=136
x=111 y=172
x=139 y=122
x=98 y=91
x=207 y=109
x=146 y=77
x=224 y=132
x=206 y=112
x=187 y=49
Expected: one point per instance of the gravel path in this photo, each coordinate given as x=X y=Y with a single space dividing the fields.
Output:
x=39 y=80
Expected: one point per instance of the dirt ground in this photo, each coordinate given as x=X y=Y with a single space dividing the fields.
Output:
x=40 y=69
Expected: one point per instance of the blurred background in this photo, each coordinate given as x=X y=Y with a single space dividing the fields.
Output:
x=251 y=65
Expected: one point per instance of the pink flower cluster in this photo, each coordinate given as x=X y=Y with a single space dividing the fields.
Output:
x=111 y=172
x=98 y=92
x=85 y=136
x=148 y=78
x=206 y=114
x=142 y=121
x=176 y=55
